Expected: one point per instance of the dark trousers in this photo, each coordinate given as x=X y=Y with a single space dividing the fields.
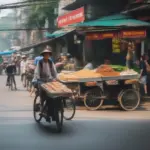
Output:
x=13 y=79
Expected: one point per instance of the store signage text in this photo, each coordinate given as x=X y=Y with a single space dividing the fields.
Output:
x=133 y=34
x=99 y=36
x=93 y=36
x=73 y=17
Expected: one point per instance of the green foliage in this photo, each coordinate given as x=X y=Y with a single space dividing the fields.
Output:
x=39 y=13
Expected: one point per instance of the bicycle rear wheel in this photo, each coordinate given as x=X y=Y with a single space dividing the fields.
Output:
x=58 y=112
x=36 y=109
x=69 y=108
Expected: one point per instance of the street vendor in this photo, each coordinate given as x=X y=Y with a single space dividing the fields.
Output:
x=45 y=71
x=65 y=62
x=45 y=67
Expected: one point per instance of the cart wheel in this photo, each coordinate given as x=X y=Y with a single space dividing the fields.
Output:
x=136 y=87
x=120 y=94
x=92 y=100
x=129 y=100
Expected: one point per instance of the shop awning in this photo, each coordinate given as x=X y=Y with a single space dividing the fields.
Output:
x=137 y=8
x=59 y=33
x=9 y=52
x=52 y=36
x=115 y=17
x=111 y=21
x=35 y=45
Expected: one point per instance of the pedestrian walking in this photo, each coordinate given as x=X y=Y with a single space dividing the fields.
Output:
x=23 y=69
x=143 y=73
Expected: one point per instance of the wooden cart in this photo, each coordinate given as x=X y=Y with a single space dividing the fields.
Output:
x=93 y=92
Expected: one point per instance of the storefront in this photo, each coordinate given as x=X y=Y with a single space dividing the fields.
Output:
x=101 y=46
x=67 y=42
x=108 y=37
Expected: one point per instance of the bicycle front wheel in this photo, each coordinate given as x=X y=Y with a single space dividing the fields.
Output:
x=36 y=109
x=69 y=108
x=58 y=112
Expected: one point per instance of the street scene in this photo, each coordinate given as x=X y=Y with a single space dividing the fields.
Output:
x=74 y=74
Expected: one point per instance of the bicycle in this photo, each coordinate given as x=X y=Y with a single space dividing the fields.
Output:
x=43 y=111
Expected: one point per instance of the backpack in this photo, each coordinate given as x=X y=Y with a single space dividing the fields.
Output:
x=50 y=65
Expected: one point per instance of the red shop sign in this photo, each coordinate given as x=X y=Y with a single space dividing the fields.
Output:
x=75 y=16
x=133 y=34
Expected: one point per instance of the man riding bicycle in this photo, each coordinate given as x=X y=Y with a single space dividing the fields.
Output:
x=11 y=71
x=45 y=72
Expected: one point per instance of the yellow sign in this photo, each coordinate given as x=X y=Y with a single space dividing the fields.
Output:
x=116 y=45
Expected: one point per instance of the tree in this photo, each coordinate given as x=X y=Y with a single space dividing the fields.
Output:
x=40 y=13
x=37 y=16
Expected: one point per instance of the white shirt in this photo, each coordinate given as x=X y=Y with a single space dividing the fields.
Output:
x=46 y=71
x=23 y=66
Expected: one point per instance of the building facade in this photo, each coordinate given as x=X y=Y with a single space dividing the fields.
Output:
x=97 y=8
x=62 y=4
x=21 y=17
x=93 y=9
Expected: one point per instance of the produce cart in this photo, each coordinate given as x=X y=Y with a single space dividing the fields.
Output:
x=93 y=91
x=53 y=106
x=57 y=90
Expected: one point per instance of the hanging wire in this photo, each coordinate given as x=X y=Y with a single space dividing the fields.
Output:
x=25 y=4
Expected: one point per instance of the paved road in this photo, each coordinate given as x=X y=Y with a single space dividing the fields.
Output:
x=101 y=130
